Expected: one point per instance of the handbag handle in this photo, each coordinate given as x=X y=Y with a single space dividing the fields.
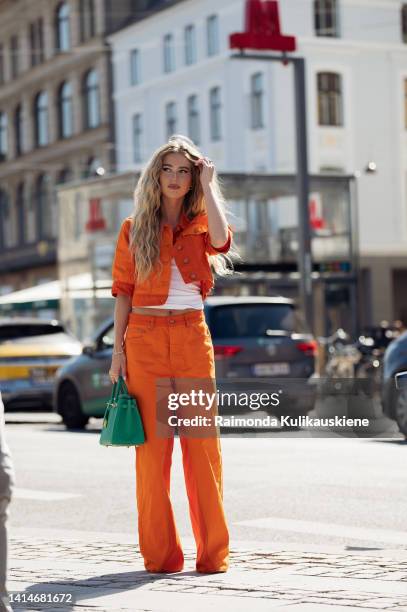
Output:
x=113 y=394
x=118 y=388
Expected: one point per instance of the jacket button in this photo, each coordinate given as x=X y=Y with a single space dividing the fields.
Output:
x=179 y=247
x=192 y=275
x=186 y=259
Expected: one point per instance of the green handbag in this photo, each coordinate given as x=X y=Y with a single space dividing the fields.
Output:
x=122 y=425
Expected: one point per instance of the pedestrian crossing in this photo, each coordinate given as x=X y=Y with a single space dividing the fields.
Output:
x=387 y=536
x=42 y=495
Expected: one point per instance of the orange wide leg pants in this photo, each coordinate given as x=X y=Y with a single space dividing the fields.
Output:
x=175 y=348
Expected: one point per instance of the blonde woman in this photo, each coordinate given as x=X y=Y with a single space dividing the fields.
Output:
x=162 y=272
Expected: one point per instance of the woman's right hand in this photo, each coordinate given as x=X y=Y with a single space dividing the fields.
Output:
x=118 y=367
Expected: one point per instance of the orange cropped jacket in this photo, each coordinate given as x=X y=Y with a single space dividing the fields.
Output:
x=190 y=246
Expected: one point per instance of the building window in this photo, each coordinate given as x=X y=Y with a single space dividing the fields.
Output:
x=326 y=18
x=37 y=42
x=9 y=226
x=193 y=119
x=404 y=22
x=330 y=107
x=19 y=130
x=43 y=201
x=212 y=35
x=14 y=57
x=91 y=99
x=65 y=176
x=86 y=19
x=170 y=119
x=135 y=67
x=30 y=216
x=137 y=138
x=41 y=46
x=256 y=101
x=215 y=113
x=21 y=221
x=65 y=110
x=33 y=43
x=41 y=119
x=168 y=50
x=190 y=45
x=62 y=27
x=3 y=136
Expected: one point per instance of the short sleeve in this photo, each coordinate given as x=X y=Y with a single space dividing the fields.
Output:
x=211 y=250
x=123 y=268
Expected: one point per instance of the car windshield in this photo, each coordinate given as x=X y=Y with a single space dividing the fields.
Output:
x=248 y=320
x=28 y=330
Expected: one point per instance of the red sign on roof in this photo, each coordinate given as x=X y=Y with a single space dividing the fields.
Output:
x=263 y=32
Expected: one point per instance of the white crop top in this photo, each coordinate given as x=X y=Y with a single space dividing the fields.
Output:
x=181 y=295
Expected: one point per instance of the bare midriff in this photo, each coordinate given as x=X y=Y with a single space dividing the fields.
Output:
x=161 y=312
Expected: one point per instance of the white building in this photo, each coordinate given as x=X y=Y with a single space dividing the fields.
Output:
x=173 y=73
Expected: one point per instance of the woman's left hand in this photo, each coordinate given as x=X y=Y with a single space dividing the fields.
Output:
x=207 y=169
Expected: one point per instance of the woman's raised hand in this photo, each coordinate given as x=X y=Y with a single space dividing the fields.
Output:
x=207 y=169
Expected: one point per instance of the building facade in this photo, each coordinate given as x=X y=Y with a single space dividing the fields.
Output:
x=56 y=121
x=173 y=72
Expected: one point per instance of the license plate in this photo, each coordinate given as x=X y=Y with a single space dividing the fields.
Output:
x=42 y=375
x=271 y=369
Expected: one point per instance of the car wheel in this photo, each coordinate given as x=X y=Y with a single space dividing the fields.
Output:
x=401 y=411
x=69 y=407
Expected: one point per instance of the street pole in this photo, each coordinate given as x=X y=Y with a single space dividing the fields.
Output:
x=304 y=232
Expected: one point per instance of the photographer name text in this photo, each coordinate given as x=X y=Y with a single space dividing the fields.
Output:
x=268 y=421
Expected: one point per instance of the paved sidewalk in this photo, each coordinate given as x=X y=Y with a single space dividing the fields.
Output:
x=104 y=571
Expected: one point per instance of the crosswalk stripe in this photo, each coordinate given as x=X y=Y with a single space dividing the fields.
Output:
x=329 y=529
x=42 y=495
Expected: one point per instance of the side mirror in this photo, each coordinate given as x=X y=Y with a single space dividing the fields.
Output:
x=89 y=349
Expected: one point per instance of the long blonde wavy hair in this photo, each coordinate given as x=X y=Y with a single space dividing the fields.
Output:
x=146 y=219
